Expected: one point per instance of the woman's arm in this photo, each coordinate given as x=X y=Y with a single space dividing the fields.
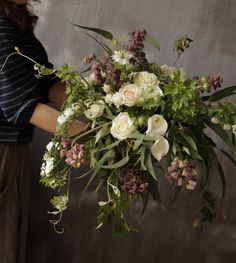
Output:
x=57 y=93
x=45 y=117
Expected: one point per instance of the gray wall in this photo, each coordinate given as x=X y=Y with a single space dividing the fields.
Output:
x=164 y=237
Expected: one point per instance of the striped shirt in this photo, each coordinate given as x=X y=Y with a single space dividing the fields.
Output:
x=20 y=90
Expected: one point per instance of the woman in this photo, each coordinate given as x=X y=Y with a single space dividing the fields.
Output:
x=22 y=106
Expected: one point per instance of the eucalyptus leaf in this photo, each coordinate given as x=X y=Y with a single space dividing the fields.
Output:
x=118 y=164
x=149 y=164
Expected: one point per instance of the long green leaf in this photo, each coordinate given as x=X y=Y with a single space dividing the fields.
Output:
x=149 y=164
x=221 y=133
x=229 y=156
x=223 y=93
x=189 y=140
x=142 y=137
x=97 y=168
x=152 y=41
x=176 y=193
x=222 y=177
x=145 y=198
x=118 y=164
x=103 y=45
x=153 y=188
x=99 y=31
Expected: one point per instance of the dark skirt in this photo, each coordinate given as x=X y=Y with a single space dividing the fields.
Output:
x=14 y=163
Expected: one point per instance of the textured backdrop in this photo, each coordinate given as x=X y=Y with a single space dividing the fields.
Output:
x=164 y=237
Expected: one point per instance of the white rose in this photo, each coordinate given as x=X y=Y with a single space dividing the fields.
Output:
x=131 y=94
x=117 y=99
x=160 y=148
x=157 y=126
x=95 y=111
x=122 y=126
x=154 y=91
x=145 y=78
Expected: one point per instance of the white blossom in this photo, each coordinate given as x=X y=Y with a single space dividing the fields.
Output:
x=215 y=120
x=191 y=184
x=122 y=57
x=67 y=113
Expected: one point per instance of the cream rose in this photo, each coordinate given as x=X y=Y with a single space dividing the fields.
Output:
x=122 y=126
x=95 y=111
x=131 y=94
x=157 y=126
x=145 y=78
x=117 y=99
x=160 y=148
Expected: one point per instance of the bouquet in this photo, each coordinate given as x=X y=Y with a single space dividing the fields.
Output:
x=144 y=121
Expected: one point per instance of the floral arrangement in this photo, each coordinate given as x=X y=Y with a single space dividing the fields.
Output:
x=144 y=121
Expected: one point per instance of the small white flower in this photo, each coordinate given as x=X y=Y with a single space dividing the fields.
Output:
x=157 y=126
x=49 y=146
x=215 y=120
x=160 y=148
x=234 y=129
x=191 y=184
x=122 y=57
x=167 y=70
x=47 y=166
x=117 y=99
x=131 y=94
x=108 y=99
x=144 y=79
x=89 y=80
x=95 y=111
x=122 y=126
x=226 y=127
x=67 y=113
x=106 y=88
